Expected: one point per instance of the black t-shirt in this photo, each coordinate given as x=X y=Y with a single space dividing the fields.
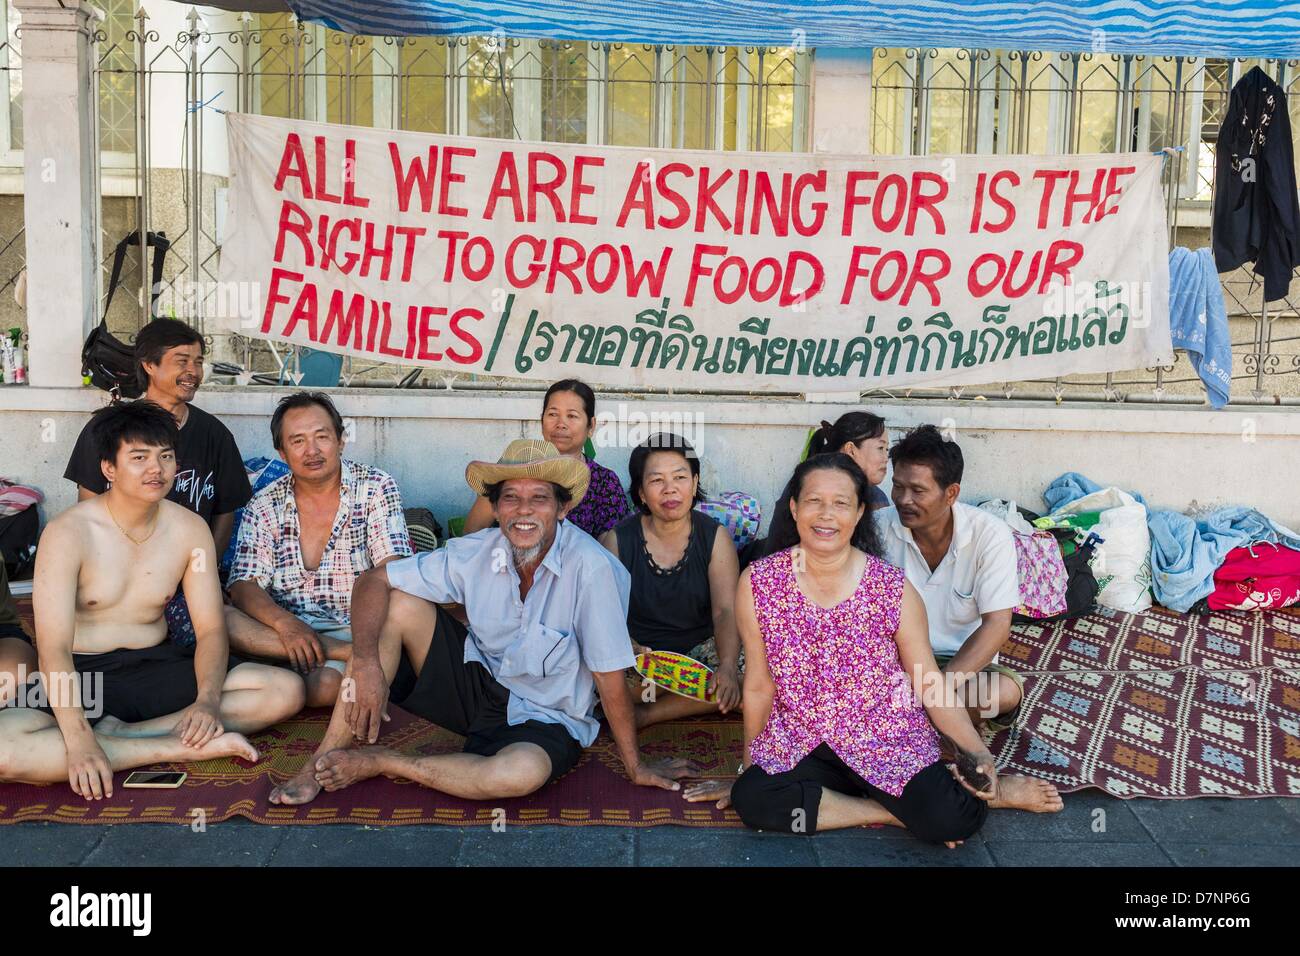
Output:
x=210 y=476
x=670 y=609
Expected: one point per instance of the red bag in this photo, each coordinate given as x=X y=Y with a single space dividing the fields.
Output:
x=1260 y=576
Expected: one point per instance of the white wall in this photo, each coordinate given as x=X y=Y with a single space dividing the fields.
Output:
x=1177 y=458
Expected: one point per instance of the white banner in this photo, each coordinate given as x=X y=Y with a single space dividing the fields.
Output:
x=689 y=268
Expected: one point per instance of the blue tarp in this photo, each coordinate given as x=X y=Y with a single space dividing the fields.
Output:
x=1244 y=28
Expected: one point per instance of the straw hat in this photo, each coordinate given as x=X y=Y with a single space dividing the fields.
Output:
x=530 y=458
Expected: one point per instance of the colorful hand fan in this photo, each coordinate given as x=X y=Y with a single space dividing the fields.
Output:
x=677 y=673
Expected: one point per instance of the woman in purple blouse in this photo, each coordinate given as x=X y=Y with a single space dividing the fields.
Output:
x=844 y=685
x=568 y=420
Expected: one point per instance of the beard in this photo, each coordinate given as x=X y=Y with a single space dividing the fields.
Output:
x=525 y=557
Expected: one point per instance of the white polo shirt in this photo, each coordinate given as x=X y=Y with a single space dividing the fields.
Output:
x=977 y=575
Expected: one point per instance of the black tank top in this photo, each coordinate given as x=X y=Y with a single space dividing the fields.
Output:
x=670 y=609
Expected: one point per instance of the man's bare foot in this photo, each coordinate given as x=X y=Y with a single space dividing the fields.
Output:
x=1027 y=793
x=227 y=745
x=300 y=788
x=342 y=768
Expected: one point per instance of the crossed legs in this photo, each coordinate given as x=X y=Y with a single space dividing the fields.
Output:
x=250 y=638
x=253 y=697
x=17 y=665
x=410 y=628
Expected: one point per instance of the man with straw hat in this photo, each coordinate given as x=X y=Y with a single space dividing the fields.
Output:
x=547 y=612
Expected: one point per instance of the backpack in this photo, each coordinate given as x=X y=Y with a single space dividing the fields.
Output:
x=18 y=536
x=107 y=361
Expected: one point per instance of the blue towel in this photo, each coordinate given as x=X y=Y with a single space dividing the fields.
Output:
x=1198 y=321
x=1185 y=551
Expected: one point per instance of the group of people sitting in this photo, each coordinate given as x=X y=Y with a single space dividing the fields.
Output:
x=858 y=643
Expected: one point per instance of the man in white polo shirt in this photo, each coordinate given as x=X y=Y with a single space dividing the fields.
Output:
x=962 y=561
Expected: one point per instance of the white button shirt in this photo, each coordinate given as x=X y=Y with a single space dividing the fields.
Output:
x=976 y=576
x=545 y=647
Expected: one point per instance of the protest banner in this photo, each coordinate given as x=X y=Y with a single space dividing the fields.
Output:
x=686 y=268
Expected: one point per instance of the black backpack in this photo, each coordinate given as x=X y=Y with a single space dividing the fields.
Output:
x=18 y=536
x=109 y=362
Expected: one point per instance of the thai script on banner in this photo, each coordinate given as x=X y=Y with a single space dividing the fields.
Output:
x=691 y=268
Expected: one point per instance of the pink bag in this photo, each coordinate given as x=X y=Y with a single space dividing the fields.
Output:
x=1040 y=572
x=1261 y=576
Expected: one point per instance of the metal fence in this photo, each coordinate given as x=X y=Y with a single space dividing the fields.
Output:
x=13 y=243
x=996 y=101
x=923 y=101
x=601 y=93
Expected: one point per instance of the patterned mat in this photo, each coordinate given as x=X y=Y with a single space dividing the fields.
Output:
x=1159 y=704
x=1151 y=705
x=596 y=791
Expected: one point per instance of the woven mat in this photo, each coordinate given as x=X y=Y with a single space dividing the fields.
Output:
x=1153 y=705
x=596 y=791
x=1159 y=704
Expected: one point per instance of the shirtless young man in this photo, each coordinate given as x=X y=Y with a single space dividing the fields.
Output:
x=114 y=693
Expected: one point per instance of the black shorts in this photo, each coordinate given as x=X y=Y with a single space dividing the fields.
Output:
x=15 y=630
x=134 y=685
x=466 y=699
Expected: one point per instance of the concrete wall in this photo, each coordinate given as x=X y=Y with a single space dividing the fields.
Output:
x=1177 y=458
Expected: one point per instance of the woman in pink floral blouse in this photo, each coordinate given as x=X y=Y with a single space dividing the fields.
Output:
x=838 y=731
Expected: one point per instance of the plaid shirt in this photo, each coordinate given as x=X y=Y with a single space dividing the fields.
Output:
x=369 y=528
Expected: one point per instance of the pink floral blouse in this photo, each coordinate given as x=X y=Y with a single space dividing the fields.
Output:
x=838 y=677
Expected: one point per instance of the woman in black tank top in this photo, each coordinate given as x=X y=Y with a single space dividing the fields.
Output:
x=684 y=574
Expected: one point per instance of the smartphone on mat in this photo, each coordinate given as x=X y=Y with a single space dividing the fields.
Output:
x=155 y=779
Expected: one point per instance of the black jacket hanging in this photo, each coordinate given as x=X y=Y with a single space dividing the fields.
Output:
x=1256 y=211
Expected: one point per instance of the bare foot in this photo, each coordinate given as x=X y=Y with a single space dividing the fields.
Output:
x=342 y=768
x=1027 y=793
x=336 y=650
x=300 y=788
x=227 y=745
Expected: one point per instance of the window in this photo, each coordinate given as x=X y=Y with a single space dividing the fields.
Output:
x=11 y=102
x=548 y=90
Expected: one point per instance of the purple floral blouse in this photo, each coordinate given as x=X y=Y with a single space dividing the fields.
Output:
x=604 y=505
x=838 y=677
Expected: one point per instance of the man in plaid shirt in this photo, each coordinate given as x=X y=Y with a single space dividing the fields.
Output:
x=303 y=540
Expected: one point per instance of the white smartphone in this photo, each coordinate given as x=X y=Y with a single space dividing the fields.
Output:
x=155 y=779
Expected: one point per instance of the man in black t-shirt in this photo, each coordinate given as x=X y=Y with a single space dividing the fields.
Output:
x=210 y=476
